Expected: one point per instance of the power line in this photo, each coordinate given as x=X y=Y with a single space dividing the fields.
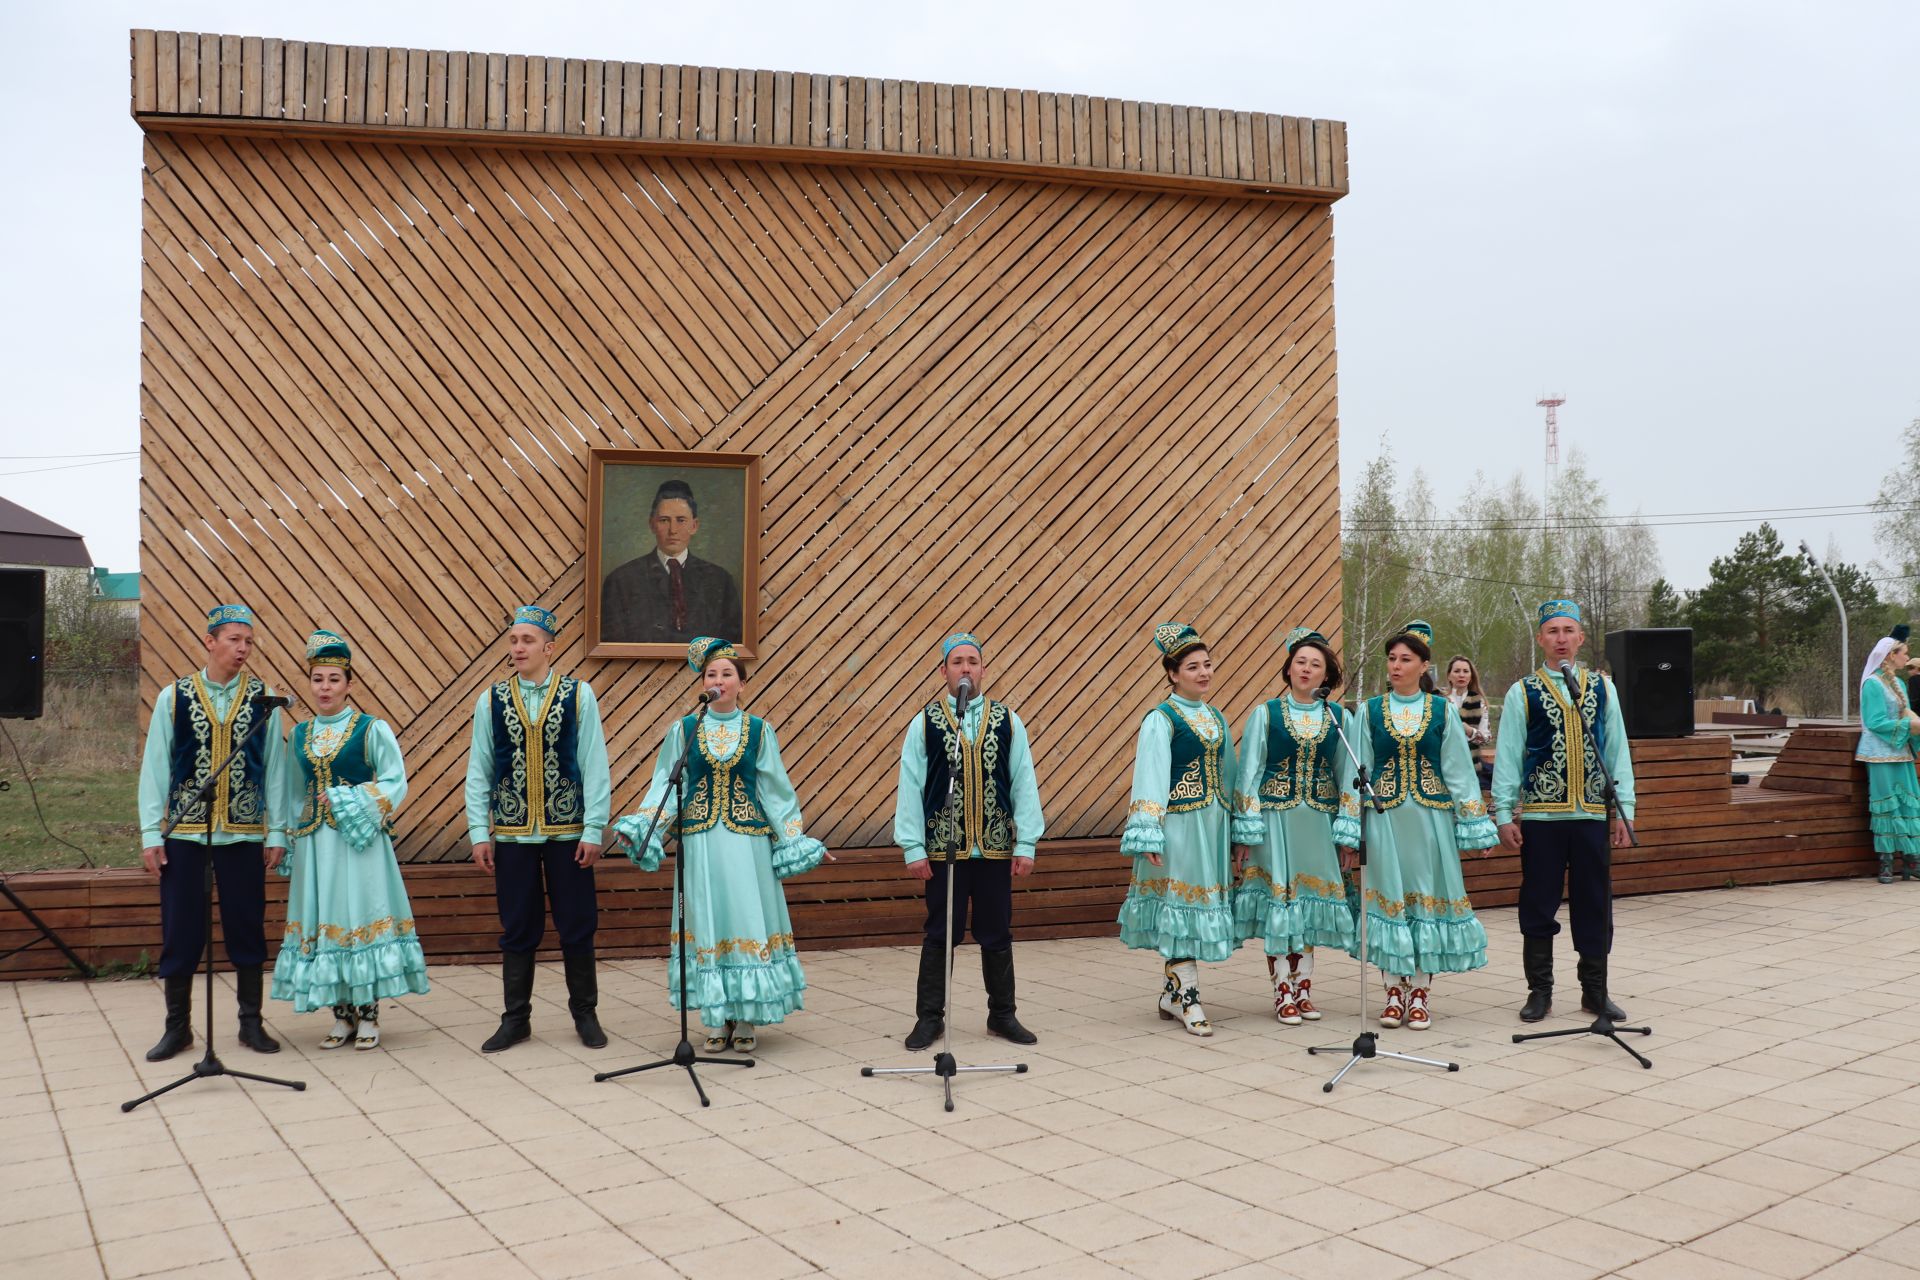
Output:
x=1576 y=523
x=70 y=466
x=44 y=457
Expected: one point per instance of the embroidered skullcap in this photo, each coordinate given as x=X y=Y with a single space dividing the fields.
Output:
x=1299 y=634
x=705 y=649
x=221 y=614
x=1422 y=628
x=958 y=639
x=1558 y=609
x=329 y=649
x=535 y=615
x=1175 y=638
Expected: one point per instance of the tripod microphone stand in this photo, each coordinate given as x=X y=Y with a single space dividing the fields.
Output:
x=683 y=1054
x=1366 y=1044
x=210 y=1065
x=945 y=1065
x=1602 y=1024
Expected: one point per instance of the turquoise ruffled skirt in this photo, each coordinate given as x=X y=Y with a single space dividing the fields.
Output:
x=1418 y=917
x=1182 y=909
x=1893 y=808
x=1291 y=896
x=350 y=937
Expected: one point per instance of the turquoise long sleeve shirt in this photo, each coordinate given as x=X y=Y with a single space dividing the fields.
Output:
x=1510 y=752
x=590 y=751
x=156 y=767
x=909 y=813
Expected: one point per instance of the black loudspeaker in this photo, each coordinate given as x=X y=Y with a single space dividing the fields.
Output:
x=23 y=642
x=1653 y=670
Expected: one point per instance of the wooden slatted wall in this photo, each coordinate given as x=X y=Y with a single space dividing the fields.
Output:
x=1054 y=409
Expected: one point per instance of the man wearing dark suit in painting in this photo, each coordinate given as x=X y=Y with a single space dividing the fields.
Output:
x=670 y=595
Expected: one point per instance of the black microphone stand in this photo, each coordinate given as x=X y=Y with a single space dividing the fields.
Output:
x=1602 y=1024
x=210 y=1065
x=945 y=1065
x=1366 y=1045
x=683 y=1054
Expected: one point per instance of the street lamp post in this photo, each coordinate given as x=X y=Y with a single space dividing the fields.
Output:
x=1838 y=603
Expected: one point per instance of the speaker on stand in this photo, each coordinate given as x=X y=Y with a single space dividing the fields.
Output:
x=23 y=642
x=1652 y=667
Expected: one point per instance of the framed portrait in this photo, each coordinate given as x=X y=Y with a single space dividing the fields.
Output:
x=673 y=551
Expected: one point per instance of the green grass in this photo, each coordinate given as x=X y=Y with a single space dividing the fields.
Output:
x=92 y=808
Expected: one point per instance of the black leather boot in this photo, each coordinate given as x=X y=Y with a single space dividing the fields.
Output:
x=583 y=996
x=516 y=979
x=1593 y=989
x=929 y=998
x=179 y=1032
x=1536 y=958
x=252 y=1033
x=996 y=971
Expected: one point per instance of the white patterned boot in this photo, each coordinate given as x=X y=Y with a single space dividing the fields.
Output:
x=1285 y=1011
x=1180 y=998
x=1302 y=975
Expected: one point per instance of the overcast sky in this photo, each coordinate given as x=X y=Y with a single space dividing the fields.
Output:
x=1697 y=221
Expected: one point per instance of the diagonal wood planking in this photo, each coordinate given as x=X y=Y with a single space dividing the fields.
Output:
x=1052 y=413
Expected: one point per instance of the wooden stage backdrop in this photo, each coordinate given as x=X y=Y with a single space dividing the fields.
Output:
x=1048 y=367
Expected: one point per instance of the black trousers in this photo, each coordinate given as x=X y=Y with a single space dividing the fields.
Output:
x=241 y=876
x=1577 y=854
x=518 y=870
x=982 y=901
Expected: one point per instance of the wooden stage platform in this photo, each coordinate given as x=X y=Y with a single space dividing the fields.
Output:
x=1806 y=821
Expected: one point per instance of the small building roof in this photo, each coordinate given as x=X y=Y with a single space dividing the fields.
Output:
x=116 y=586
x=29 y=539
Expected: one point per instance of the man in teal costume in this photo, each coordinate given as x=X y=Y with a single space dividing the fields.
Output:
x=196 y=721
x=1548 y=797
x=539 y=797
x=992 y=825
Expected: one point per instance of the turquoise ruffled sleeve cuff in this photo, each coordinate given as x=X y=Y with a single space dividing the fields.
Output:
x=1249 y=828
x=1143 y=835
x=284 y=868
x=1346 y=831
x=632 y=828
x=355 y=815
x=797 y=855
x=1475 y=833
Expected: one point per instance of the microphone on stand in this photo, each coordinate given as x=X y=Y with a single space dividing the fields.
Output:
x=270 y=701
x=707 y=695
x=961 y=696
x=1573 y=682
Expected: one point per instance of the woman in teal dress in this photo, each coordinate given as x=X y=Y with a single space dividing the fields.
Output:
x=1178 y=830
x=1419 y=921
x=1888 y=730
x=350 y=941
x=1291 y=895
x=741 y=836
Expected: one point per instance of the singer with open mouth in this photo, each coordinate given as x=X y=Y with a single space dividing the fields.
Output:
x=1291 y=895
x=988 y=820
x=195 y=721
x=1419 y=919
x=1549 y=799
x=1179 y=830
x=350 y=940
x=741 y=835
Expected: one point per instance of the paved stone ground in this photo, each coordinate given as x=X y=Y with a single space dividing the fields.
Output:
x=1777 y=1135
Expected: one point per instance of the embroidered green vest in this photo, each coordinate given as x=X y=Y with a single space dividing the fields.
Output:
x=1408 y=764
x=536 y=776
x=981 y=815
x=1300 y=770
x=349 y=764
x=723 y=792
x=1196 y=763
x=1560 y=771
x=199 y=739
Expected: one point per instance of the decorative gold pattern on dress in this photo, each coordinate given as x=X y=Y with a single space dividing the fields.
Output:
x=721 y=795
x=1407 y=772
x=320 y=752
x=1168 y=887
x=1147 y=807
x=1200 y=783
x=1427 y=904
x=1304 y=775
x=1303 y=886
x=343 y=937
x=725 y=948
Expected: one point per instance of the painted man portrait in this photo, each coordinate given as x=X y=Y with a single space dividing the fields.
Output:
x=670 y=595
